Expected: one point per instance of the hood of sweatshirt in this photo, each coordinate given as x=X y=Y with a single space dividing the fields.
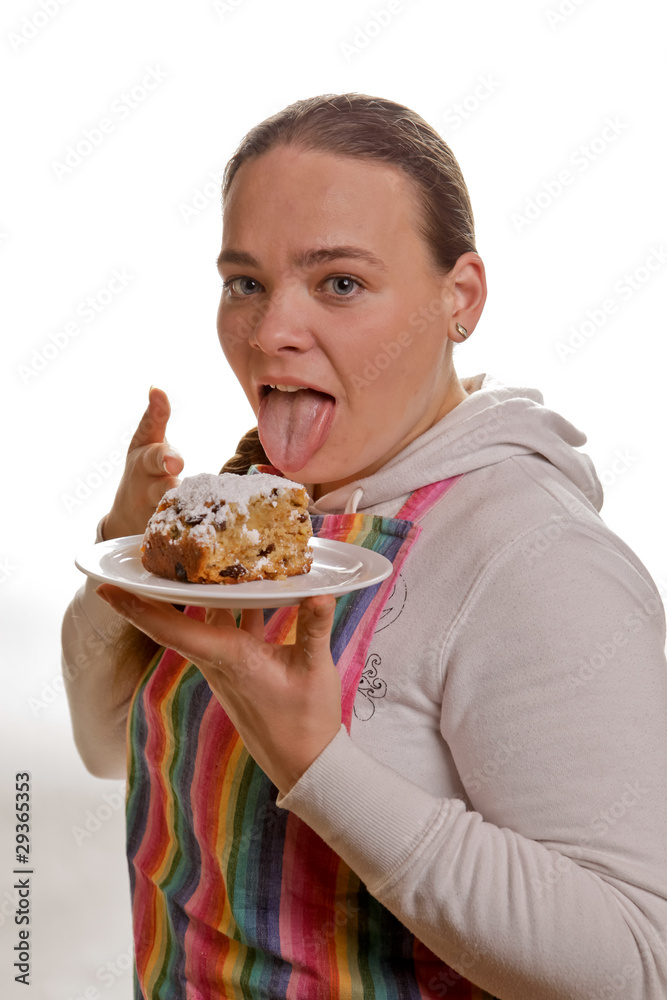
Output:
x=493 y=423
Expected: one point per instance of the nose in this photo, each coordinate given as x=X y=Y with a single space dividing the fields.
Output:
x=279 y=324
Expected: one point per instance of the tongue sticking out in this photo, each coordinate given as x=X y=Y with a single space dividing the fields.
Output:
x=293 y=425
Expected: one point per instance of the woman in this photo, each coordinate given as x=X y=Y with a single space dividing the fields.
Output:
x=452 y=784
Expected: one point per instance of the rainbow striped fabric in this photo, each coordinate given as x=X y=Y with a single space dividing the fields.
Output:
x=232 y=896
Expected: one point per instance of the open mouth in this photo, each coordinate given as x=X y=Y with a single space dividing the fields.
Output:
x=265 y=389
x=294 y=422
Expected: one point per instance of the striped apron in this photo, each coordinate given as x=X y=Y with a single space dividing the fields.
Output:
x=232 y=896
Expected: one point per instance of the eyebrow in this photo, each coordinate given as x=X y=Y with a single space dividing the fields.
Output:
x=307 y=258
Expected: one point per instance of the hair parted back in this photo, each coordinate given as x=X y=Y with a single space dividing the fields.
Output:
x=372 y=128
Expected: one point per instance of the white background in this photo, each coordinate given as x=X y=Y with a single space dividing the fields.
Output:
x=143 y=203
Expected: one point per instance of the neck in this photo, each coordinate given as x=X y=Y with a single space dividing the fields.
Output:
x=454 y=395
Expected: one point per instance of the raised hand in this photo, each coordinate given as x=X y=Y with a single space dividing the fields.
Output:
x=152 y=467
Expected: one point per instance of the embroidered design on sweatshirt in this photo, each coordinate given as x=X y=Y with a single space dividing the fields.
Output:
x=395 y=604
x=370 y=687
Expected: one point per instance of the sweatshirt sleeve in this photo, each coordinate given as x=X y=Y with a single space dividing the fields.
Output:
x=90 y=633
x=553 y=886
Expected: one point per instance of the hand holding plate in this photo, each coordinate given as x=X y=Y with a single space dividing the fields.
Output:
x=284 y=700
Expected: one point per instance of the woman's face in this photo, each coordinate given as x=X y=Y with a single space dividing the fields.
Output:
x=328 y=295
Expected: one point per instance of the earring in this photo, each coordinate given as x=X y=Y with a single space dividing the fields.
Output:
x=462 y=330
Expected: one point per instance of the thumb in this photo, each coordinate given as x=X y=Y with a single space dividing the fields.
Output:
x=153 y=424
x=158 y=459
x=313 y=626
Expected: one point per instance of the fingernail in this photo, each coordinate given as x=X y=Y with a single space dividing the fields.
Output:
x=170 y=453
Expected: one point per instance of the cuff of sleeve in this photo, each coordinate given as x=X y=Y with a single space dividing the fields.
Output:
x=370 y=815
x=104 y=621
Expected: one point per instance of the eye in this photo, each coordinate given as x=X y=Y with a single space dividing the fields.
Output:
x=343 y=285
x=242 y=286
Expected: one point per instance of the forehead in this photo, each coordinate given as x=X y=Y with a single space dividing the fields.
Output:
x=293 y=194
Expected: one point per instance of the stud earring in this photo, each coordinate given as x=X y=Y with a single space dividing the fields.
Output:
x=462 y=330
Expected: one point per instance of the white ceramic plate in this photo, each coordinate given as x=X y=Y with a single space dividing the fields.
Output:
x=338 y=567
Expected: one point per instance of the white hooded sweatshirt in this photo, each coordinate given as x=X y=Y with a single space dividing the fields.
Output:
x=503 y=789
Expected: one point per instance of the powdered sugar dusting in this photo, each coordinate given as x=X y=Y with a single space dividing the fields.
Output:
x=203 y=500
x=195 y=491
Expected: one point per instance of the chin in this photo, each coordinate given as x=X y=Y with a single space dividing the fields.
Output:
x=327 y=466
x=325 y=473
x=314 y=471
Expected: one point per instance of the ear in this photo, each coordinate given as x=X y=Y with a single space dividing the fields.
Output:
x=468 y=283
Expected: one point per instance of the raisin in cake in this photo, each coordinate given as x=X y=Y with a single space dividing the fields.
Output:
x=229 y=529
